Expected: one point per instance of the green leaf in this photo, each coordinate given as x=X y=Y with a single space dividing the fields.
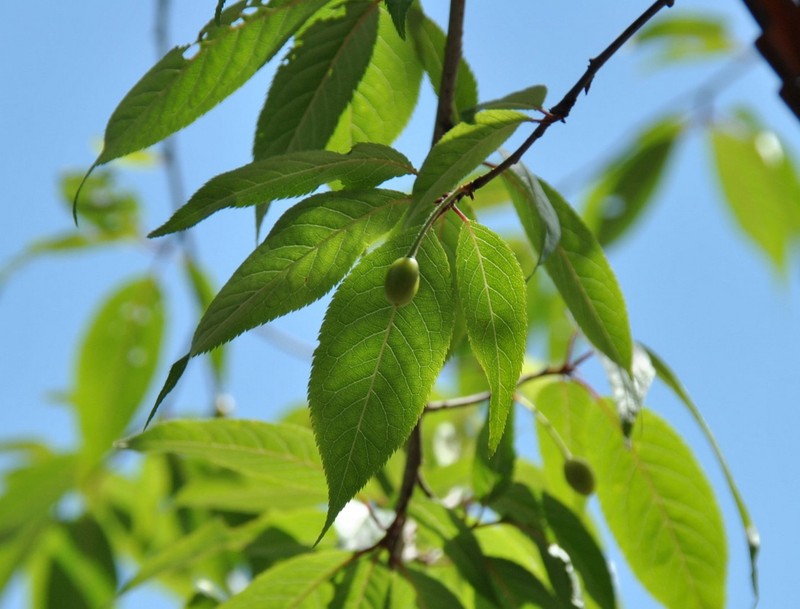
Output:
x=530 y=98
x=112 y=212
x=204 y=292
x=429 y=42
x=376 y=364
x=752 y=535
x=583 y=277
x=536 y=214
x=518 y=588
x=178 y=90
x=314 y=86
x=661 y=510
x=303 y=582
x=288 y=175
x=492 y=296
x=492 y=474
x=363 y=584
x=173 y=376
x=247 y=495
x=685 y=36
x=384 y=100
x=116 y=363
x=760 y=186
x=429 y=593
x=398 y=10
x=460 y=151
x=628 y=182
x=279 y=454
x=308 y=251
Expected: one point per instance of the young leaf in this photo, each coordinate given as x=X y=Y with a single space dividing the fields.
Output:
x=628 y=182
x=117 y=360
x=307 y=252
x=398 y=10
x=312 y=89
x=661 y=510
x=492 y=295
x=375 y=365
x=530 y=98
x=536 y=214
x=461 y=149
x=492 y=474
x=584 y=279
x=303 y=582
x=177 y=90
x=385 y=98
x=288 y=175
x=752 y=535
x=278 y=454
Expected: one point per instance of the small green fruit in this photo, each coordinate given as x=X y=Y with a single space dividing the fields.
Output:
x=402 y=281
x=579 y=475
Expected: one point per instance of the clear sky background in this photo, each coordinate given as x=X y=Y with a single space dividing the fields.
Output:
x=697 y=291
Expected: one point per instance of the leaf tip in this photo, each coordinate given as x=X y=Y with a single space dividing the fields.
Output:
x=78 y=192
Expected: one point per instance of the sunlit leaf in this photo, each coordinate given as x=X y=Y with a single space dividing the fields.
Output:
x=363 y=584
x=375 y=365
x=491 y=292
x=246 y=494
x=685 y=36
x=661 y=510
x=530 y=98
x=288 y=175
x=116 y=364
x=315 y=84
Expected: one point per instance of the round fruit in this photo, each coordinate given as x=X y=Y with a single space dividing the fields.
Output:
x=402 y=281
x=579 y=475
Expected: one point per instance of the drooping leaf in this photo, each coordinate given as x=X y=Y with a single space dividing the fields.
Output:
x=280 y=454
x=398 y=10
x=375 y=365
x=314 y=86
x=583 y=277
x=536 y=214
x=760 y=186
x=492 y=474
x=661 y=510
x=429 y=42
x=629 y=181
x=530 y=98
x=752 y=535
x=686 y=36
x=288 y=175
x=460 y=151
x=303 y=582
x=386 y=96
x=307 y=252
x=116 y=363
x=178 y=90
x=492 y=296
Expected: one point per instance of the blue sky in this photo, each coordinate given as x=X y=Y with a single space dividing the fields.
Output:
x=697 y=291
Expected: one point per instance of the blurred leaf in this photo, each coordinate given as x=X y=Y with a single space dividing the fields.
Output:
x=116 y=363
x=761 y=187
x=292 y=174
x=246 y=494
x=429 y=592
x=204 y=292
x=493 y=194
x=491 y=292
x=628 y=182
x=380 y=109
x=516 y=587
x=460 y=151
x=661 y=510
x=110 y=210
x=16 y=546
x=530 y=98
x=686 y=35
x=313 y=87
x=491 y=475
x=629 y=389
x=375 y=365
x=363 y=584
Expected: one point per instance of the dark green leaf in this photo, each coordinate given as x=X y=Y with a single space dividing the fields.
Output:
x=363 y=584
x=516 y=587
x=314 y=86
x=289 y=175
x=628 y=182
x=429 y=593
x=116 y=364
x=492 y=295
x=491 y=475
x=530 y=98
x=376 y=364
x=307 y=252
x=398 y=10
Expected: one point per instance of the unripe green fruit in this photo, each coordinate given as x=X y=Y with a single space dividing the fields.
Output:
x=402 y=281
x=579 y=475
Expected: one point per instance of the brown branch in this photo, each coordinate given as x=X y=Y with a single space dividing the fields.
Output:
x=452 y=57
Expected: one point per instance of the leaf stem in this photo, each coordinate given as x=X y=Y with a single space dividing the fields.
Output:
x=548 y=426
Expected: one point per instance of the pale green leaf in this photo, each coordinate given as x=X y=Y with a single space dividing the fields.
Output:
x=760 y=186
x=492 y=474
x=280 y=454
x=314 y=86
x=385 y=98
x=583 y=277
x=661 y=510
x=308 y=251
x=363 y=584
x=627 y=184
x=460 y=151
x=492 y=296
x=398 y=10
x=288 y=175
x=178 y=90
x=302 y=582
x=685 y=36
x=376 y=364
x=116 y=363
x=246 y=494
x=530 y=98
